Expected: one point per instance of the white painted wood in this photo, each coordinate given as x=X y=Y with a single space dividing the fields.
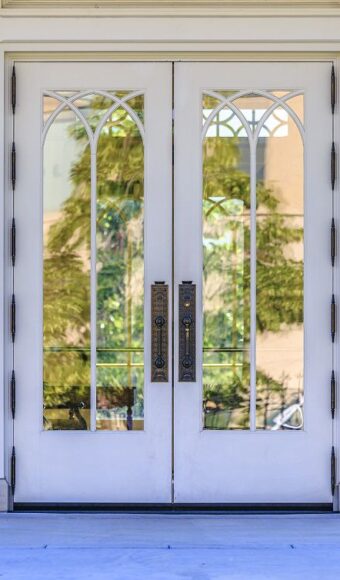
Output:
x=194 y=446
x=3 y=295
x=244 y=466
x=159 y=33
x=182 y=8
x=158 y=3
x=89 y=466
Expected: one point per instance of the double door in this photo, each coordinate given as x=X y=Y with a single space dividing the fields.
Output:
x=172 y=283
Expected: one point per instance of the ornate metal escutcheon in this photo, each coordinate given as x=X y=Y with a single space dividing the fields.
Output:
x=159 y=333
x=187 y=332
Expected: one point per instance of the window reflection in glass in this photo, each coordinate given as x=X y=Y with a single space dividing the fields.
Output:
x=278 y=167
x=120 y=273
x=279 y=278
x=66 y=283
x=119 y=161
x=226 y=273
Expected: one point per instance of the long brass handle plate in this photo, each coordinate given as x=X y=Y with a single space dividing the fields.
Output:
x=187 y=333
x=159 y=333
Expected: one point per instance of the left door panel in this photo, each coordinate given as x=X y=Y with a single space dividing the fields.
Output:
x=93 y=220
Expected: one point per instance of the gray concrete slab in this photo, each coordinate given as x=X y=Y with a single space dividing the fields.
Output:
x=169 y=547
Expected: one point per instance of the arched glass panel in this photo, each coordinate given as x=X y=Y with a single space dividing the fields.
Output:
x=279 y=272
x=226 y=272
x=66 y=273
x=120 y=274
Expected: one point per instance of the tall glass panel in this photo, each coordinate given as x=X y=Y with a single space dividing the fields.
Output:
x=262 y=132
x=88 y=142
x=66 y=273
x=279 y=277
x=120 y=272
x=226 y=269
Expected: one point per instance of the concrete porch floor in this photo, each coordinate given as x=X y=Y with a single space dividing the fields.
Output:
x=169 y=547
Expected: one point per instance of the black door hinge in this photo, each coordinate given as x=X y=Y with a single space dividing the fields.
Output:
x=13 y=465
x=13 y=400
x=333 y=394
x=13 y=166
x=333 y=89
x=13 y=317
x=333 y=241
x=13 y=241
x=333 y=317
x=333 y=166
x=14 y=90
x=333 y=470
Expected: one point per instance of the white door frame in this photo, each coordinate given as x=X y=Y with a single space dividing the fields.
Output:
x=38 y=35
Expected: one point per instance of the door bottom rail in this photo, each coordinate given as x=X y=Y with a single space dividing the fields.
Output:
x=175 y=507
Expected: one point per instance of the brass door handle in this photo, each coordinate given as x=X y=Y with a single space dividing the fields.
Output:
x=159 y=360
x=159 y=333
x=187 y=359
x=187 y=332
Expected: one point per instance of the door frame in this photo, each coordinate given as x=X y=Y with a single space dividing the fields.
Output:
x=125 y=50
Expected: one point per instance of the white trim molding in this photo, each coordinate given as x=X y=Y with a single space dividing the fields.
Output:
x=211 y=4
x=5 y=496
x=191 y=8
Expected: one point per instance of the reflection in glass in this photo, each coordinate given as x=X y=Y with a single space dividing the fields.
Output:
x=50 y=105
x=120 y=274
x=66 y=282
x=279 y=279
x=278 y=170
x=297 y=105
x=119 y=296
x=253 y=108
x=226 y=274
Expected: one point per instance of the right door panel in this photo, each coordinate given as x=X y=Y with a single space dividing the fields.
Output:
x=252 y=216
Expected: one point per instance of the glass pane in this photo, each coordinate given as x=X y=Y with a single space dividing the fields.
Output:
x=137 y=105
x=209 y=104
x=93 y=107
x=226 y=274
x=279 y=278
x=224 y=124
x=50 y=105
x=66 y=278
x=120 y=275
x=253 y=107
x=226 y=94
x=276 y=124
x=226 y=389
x=296 y=104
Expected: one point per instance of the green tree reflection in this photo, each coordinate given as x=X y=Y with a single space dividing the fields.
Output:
x=120 y=174
x=279 y=281
x=226 y=204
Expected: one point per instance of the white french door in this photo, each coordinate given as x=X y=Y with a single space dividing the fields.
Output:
x=253 y=206
x=94 y=150
x=239 y=412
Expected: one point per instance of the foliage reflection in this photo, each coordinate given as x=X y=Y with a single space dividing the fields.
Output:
x=226 y=269
x=120 y=269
